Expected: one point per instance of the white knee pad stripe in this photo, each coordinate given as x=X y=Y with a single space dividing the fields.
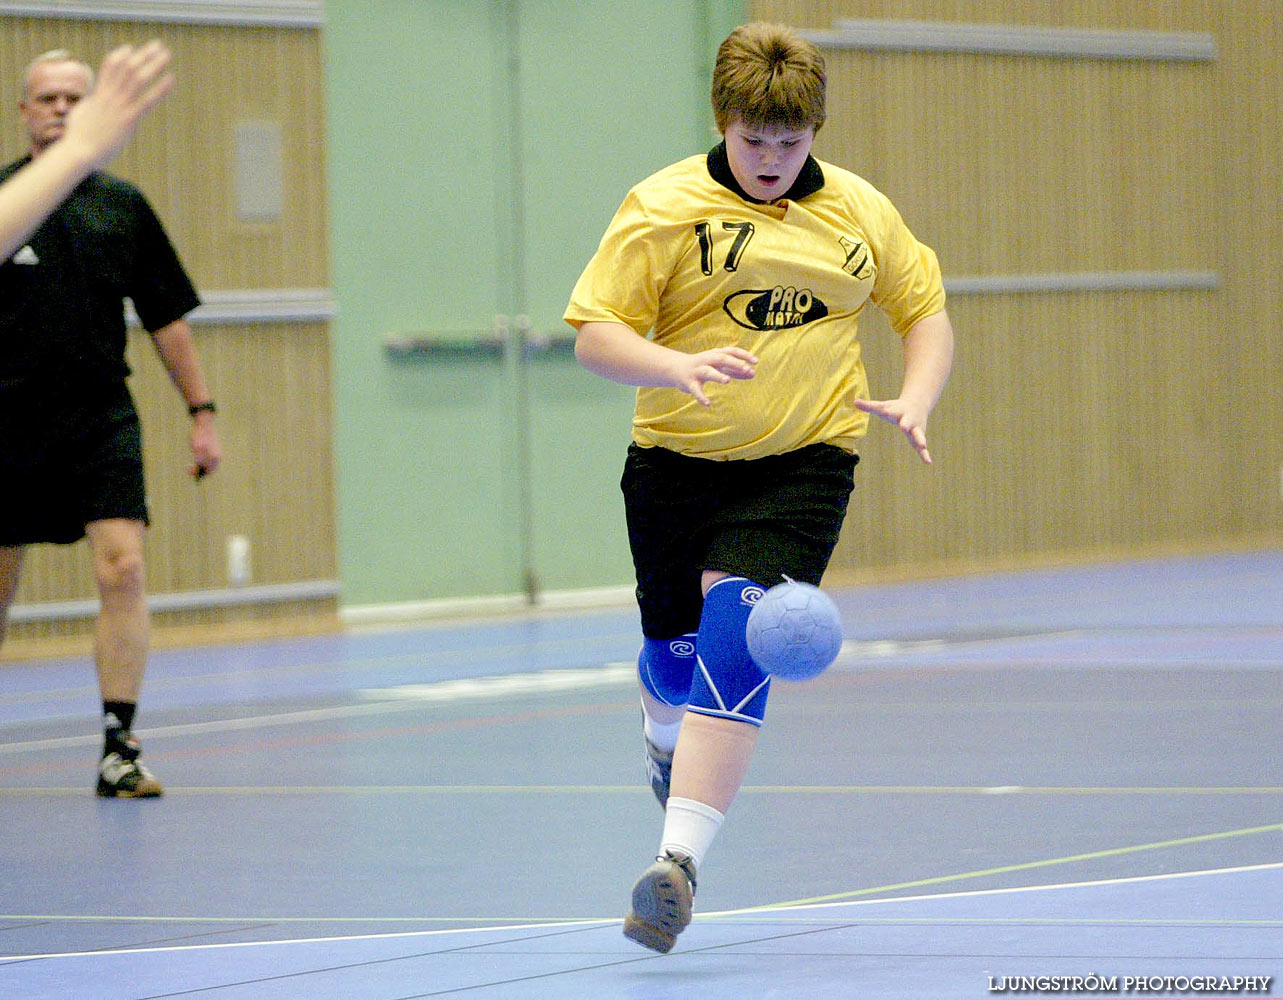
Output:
x=728 y=682
x=752 y=720
x=712 y=686
x=732 y=710
x=751 y=695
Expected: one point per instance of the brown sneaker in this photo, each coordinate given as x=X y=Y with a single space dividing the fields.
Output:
x=120 y=773
x=662 y=900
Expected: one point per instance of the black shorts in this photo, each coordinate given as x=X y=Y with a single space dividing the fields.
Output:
x=62 y=468
x=761 y=518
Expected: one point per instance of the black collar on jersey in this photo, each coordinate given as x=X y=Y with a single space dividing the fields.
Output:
x=809 y=179
x=16 y=165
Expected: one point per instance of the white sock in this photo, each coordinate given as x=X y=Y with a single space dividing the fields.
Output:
x=689 y=828
x=662 y=734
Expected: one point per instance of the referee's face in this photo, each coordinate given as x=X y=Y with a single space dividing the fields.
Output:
x=766 y=161
x=53 y=89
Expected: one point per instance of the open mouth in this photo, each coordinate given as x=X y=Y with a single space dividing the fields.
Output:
x=768 y=179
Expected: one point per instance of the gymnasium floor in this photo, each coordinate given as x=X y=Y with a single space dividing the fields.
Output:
x=1071 y=773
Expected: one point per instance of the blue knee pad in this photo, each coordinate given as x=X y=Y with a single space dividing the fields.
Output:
x=666 y=666
x=728 y=684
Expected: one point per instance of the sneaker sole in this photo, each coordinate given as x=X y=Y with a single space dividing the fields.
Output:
x=661 y=907
x=144 y=790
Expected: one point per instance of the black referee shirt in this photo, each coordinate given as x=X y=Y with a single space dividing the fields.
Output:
x=62 y=317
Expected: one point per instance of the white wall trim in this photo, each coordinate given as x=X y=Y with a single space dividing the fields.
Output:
x=317 y=305
x=267 y=305
x=409 y=612
x=1015 y=40
x=190 y=600
x=258 y=13
x=259 y=305
x=1082 y=281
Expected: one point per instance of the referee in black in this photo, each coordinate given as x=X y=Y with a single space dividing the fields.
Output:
x=70 y=441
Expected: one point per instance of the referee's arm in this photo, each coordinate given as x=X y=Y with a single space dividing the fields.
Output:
x=177 y=349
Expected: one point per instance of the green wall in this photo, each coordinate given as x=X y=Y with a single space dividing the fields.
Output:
x=477 y=151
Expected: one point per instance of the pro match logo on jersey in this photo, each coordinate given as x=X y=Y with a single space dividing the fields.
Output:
x=778 y=308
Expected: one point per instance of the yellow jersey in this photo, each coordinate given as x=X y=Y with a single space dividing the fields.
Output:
x=696 y=264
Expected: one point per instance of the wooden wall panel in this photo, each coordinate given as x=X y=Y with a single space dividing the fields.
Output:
x=272 y=381
x=1181 y=15
x=1052 y=443
x=276 y=483
x=183 y=156
x=1023 y=165
x=1250 y=126
x=1075 y=422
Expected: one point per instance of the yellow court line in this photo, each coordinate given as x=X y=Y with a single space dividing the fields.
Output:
x=1029 y=866
x=1015 y=789
x=753 y=915
x=747 y=914
x=985 y=790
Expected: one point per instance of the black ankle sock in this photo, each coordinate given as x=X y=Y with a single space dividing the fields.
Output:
x=118 y=717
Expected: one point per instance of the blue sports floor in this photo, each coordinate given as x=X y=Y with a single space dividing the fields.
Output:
x=1005 y=783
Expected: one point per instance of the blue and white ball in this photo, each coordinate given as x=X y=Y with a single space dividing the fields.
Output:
x=794 y=631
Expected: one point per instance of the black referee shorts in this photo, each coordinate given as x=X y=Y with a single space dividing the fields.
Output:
x=762 y=518
x=63 y=468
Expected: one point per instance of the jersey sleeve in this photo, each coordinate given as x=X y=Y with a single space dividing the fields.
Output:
x=625 y=278
x=908 y=287
x=159 y=288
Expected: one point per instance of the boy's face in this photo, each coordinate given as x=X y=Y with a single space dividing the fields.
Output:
x=767 y=160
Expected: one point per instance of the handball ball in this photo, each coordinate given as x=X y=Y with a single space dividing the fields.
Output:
x=794 y=631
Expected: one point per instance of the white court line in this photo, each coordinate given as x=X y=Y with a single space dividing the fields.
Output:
x=405 y=697
x=8 y=959
x=435 y=659
x=854 y=655
x=381 y=701
x=761 y=910
x=757 y=912
x=506 y=685
x=219 y=725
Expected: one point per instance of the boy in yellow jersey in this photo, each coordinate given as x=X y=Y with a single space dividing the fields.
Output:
x=729 y=288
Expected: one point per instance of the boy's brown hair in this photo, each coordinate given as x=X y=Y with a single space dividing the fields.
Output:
x=768 y=75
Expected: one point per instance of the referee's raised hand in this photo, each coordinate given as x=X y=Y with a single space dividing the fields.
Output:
x=131 y=81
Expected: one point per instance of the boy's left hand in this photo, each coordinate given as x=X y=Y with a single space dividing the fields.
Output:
x=908 y=418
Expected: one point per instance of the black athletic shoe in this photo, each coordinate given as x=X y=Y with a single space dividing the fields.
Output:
x=121 y=775
x=659 y=769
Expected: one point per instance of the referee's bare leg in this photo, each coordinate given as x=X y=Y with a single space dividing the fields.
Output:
x=120 y=651
x=120 y=639
x=120 y=642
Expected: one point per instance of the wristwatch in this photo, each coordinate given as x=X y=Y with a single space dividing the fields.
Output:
x=205 y=407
